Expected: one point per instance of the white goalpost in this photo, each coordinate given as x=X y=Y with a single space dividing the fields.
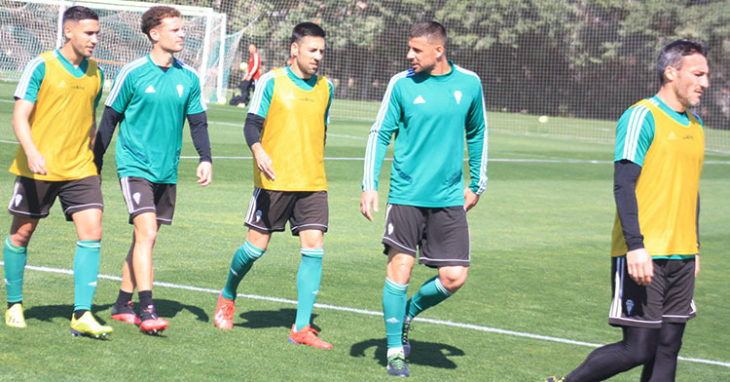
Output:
x=30 y=27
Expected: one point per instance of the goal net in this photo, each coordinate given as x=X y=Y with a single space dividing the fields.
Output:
x=557 y=68
x=30 y=27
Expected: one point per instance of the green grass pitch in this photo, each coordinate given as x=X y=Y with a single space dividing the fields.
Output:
x=540 y=236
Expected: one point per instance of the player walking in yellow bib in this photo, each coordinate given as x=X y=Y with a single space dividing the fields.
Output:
x=54 y=120
x=658 y=158
x=285 y=130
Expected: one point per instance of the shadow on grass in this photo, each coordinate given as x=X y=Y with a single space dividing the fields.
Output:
x=260 y=319
x=165 y=308
x=170 y=308
x=49 y=312
x=422 y=353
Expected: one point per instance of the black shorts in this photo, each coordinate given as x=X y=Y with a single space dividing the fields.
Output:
x=269 y=211
x=669 y=297
x=33 y=198
x=143 y=196
x=442 y=234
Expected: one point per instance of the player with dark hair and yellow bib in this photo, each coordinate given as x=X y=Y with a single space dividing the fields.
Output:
x=285 y=130
x=54 y=120
x=658 y=158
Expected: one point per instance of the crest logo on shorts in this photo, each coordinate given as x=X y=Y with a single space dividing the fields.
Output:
x=17 y=199
x=258 y=215
x=136 y=196
x=390 y=228
x=629 y=306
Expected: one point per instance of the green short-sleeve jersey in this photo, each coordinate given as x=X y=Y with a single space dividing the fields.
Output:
x=35 y=71
x=430 y=117
x=635 y=130
x=154 y=103
x=265 y=91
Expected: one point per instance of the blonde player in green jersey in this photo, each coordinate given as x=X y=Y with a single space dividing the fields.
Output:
x=150 y=100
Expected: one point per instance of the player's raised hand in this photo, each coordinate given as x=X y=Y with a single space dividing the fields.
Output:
x=263 y=161
x=640 y=266
x=204 y=173
x=369 y=198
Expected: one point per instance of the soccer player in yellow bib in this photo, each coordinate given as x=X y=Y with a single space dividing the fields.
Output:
x=658 y=158
x=285 y=130
x=54 y=120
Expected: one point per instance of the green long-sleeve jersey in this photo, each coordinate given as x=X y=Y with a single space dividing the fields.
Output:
x=430 y=116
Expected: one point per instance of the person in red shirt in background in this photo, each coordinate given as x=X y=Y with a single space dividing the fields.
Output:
x=248 y=83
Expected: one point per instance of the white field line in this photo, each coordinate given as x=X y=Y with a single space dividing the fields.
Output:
x=345 y=136
x=365 y=138
x=479 y=328
x=511 y=160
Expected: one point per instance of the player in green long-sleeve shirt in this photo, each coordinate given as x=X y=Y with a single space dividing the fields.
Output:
x=429 y=109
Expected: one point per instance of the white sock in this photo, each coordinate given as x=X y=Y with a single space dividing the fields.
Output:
x=392 y=351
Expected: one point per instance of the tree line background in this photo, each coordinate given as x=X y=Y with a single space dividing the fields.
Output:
x=586 y=59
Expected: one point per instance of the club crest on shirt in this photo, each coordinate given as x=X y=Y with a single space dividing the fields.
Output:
x=457 y=96
x=179 y=90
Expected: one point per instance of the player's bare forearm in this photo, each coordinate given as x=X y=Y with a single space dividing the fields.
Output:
x=640 y=266
x=263 y=161
x=21 y=126
x=92 y=135
x=369 y=199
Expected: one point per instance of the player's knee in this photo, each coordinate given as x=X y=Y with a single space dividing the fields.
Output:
x=453 y=278
x=452 y=284
x=145 y=234
x=399 y=269
x=21 y=236
x=642 y=353
x=643 y=356
x=91 y=234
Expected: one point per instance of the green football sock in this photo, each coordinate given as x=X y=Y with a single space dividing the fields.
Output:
x=15 y=259
x=308 y=279
x=394 y=310
x=86 y=270
x=431 y=293
x=242 y=261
